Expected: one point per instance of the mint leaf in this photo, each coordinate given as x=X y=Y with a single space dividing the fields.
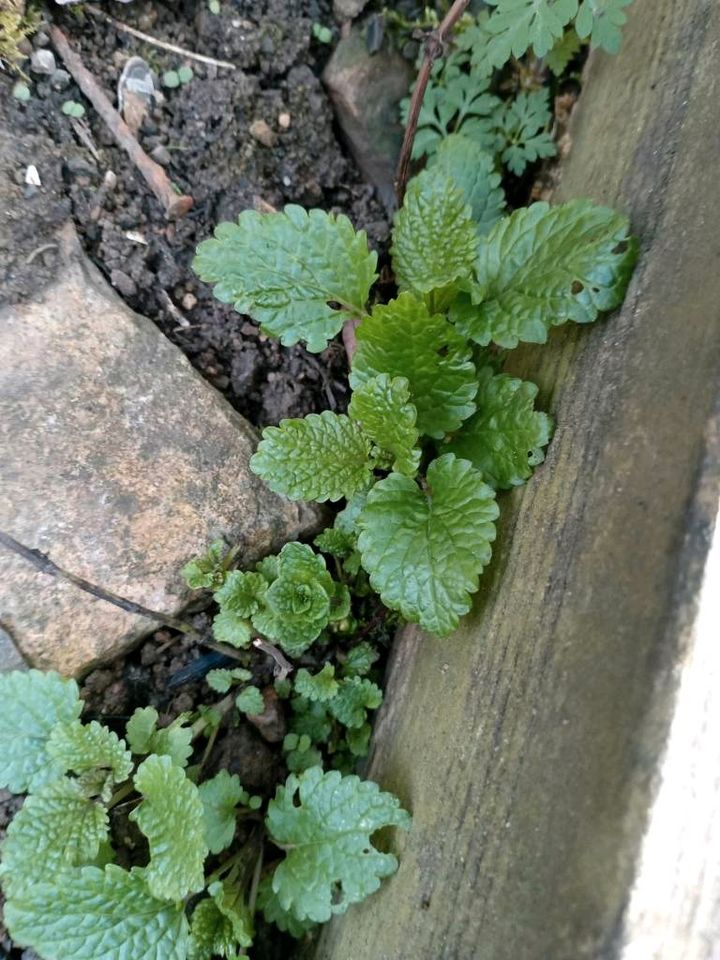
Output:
x=434 y=240
x=523 y=129
x=57 y=827
x=473 y=172
x=82 y=747
x=320 y=686
x=335 y=543
x=242 y=593
x=354 y=698
x=206 y=571
x=382 y=407
x=602 y=21
x=402 y=339
x=517 y=25
x=425 y=549
x=94 y=914
x=250 y=701
x=545 y=265
x=31 y=704
x=221 y=924
x=220 y=796
x=230 y=627
x=563 y=52
x=327 y=821
x=171 y=817
x=322 y=457
x=285 y=269
x=143 y=736
x=506 y=437
x=221 y=680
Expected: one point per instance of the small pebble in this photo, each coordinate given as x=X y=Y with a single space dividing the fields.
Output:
x=262 y=133
x=43 y=61
x=161 y=155
x=284 y=120
x=123 y=283
x=60 y=80
x=189 y=301
x=32 y=177
x=110 y=180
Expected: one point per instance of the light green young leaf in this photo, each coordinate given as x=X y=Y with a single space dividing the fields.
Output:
x=250 y=701
x=57 y=827
x=310 y=719
x=206 y=571
x=336 y=543
x=382 y=407
x=402 y=339
x=327 y=820
x=545 y=265
x=143 y=736
x=434 y=238
x=563 y=52
x=93 y=914
x=221 y=680
x=506 y=438
x=322 y=457
x=31 y=704
x=172 y=818
x=220 y=796
x=602 y=21
x=517 y=25
x=243 y=593
x=473 y=171
x=320 y=686
x=360 y=659
x=285 y=269
x=354 y=698
x=268 y=902
x=221 y=924
x=425 y=549
x=523 y=130
x=82 y=747
x=230 y=627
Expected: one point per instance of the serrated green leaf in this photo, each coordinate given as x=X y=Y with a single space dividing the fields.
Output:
x=516 y=25
x=545 y=265
x=602 y=21
x=425 y=548
x=382 y=407
x=298 y=602
x=82 y=747
x=320 y=686
x=268 y=902
x=310 y=719
x=523 y=130
x=506 y=438
x=298 y=760
x=284 y=269
x=434 y=238
x=221 y=680
x=402 y=339
x=143 y=736
x=354 y=698
x=359 y=660
x=473 y=172
x=206 y=571
x=322 y=457
x=242 y=592
x=171 y=817
x=31 y=704
x=334 y=542
x=563 y=52
x=57 y=827
x=327 y=821
x=220 y=796
x=250 y=701
x=358 y=740
x=93 y=914
x=230 y=627
x=221 y=924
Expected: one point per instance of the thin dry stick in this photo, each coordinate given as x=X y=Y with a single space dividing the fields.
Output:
x=175 y=205
x=44 y=564
x=434 y=48
x=201 y=58
x=284 y=667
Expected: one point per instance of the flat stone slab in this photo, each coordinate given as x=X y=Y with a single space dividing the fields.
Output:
x=118 y=461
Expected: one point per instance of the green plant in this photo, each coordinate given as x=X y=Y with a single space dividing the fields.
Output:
x=177 y=78
x=71 y=108
x=195 y=890
x=434 y=429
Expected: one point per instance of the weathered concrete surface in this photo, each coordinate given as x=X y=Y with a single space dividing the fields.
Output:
x=10 y=656
x=119 y=462
x=528 y=744
x=366 y=90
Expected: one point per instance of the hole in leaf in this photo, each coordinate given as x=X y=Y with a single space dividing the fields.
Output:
x=443 y=351
x=334 y=305
x=577 y=288
x=621 y=247
x=337 y=893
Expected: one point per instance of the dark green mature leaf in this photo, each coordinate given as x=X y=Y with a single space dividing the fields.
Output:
x=325 y=822
x=242 y=592
x=505 y=439
x=284 y=269
x=382 y=407
x=517 y=25
x=473 y=171
x=425 y=549
x=322 y=457
x=31 y=704
x=402 y=339
x=434 y=239
x=602 y=21
x=354 y=698
x=320 y=686
x=82 y=747
x=57 y=827
x=172 y=818
x=545 y=265
x=93 y=914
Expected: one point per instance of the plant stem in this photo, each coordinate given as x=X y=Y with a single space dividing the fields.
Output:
x=434 y=47
x=124 y=791
x=44 y=564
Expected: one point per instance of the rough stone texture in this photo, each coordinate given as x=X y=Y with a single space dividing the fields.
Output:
x=118 y=461
x=366 y=90
x=10 y=656
x=348 y=9
x=528 y=745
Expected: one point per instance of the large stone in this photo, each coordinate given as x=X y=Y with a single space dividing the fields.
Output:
x=366 y=90
x=10 y=656
x=529 y=745
x=120 y=463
